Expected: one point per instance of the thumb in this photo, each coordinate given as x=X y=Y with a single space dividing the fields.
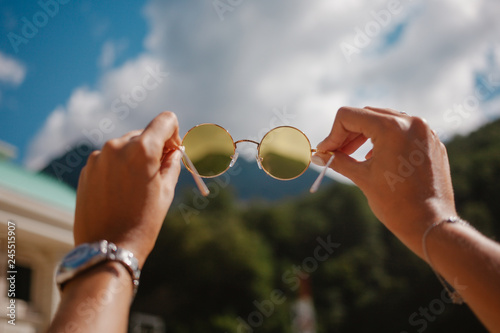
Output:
x=343 y=164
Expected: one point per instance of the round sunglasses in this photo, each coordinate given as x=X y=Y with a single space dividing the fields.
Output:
x=284 y=153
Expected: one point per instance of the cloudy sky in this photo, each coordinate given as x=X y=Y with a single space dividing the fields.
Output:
x=79 y=71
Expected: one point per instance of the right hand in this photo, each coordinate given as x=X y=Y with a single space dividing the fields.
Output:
x=406 y=176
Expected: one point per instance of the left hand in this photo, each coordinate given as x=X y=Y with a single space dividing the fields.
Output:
x=125 y=190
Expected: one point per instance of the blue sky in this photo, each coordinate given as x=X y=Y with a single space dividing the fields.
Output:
x=246 y=67
x=64 y=54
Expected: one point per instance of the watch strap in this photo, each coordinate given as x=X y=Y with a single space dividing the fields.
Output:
x=127 y=259
x=88 y=255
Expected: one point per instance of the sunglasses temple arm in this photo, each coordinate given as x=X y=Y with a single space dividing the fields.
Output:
x=316 y=184
x=197 y=178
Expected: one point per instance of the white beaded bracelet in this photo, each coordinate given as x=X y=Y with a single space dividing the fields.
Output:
x=455 y=297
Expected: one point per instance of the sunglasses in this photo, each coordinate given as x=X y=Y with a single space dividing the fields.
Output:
x=284 y=153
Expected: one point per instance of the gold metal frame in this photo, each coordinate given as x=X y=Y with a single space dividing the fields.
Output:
x=190 y=167
x=235 y=143
x=310 y=151
x=203 y=188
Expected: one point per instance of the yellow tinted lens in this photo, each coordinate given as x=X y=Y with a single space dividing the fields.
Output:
x=210 y=148
x=285 y=153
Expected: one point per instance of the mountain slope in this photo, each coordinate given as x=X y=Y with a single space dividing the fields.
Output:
x=244 y=178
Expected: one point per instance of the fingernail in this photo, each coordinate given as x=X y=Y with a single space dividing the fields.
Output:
x=316 y=159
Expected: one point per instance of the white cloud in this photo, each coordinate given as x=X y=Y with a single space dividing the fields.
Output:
x=110 y=51
x=292 y=57
x=92 y=116
x=12 y=71
x=268 y=55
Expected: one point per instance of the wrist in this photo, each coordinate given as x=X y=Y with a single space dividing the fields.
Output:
x=413 y=231
x=93 y=297
x=109 y=278
x=89 y=256
x=411 y=227
x=448 y=228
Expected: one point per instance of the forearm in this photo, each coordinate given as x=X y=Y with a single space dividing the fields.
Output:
x=95 y=301
x=124 y=192
x=471 y=263
x=406 y=179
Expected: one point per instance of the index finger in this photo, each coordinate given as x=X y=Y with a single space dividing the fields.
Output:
x=162 y=132
x=351 y=121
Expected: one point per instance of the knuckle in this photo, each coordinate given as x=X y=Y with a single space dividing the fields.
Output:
x=93 y=156
x=396 y=129
x=419 y=127
x=397 y=124
x=132 y=134
x=343 y=110
x=112 y=145
x=419 y=123
x=142 y=148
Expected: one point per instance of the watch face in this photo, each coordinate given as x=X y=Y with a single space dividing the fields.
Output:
x=81 y=255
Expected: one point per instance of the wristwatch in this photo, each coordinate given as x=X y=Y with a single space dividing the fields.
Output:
x=88 y=255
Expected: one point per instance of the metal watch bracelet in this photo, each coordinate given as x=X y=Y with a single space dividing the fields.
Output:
x=89 y=255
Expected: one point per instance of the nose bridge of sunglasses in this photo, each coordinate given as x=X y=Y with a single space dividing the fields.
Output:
x=247 y=151
x=247 y=140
